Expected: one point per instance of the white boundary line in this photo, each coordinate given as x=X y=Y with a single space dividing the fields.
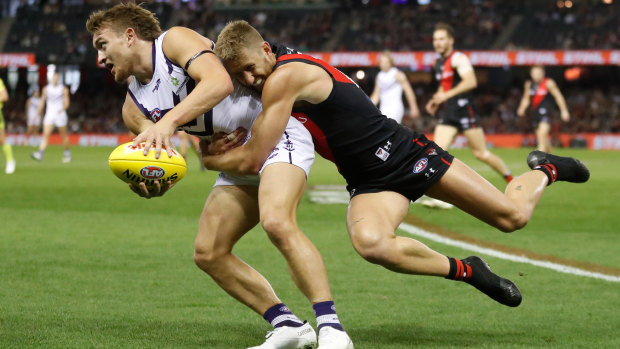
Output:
x=413 y=230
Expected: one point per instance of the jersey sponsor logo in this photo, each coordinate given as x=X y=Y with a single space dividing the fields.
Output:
x=174 y=81
x=420 y=165
x=382 y=154
x=152 y=172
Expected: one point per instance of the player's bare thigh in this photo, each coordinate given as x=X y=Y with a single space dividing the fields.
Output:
x=281 y=188
x=374 y=216
x=444 y=135
x=229 y=212
x=467 y=190
x=476 y=140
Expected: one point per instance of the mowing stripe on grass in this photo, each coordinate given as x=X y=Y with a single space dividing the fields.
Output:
x=413 y=230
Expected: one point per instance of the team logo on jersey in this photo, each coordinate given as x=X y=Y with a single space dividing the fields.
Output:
x=288 y=145
x=152 y=172
x=156 y=115
x=174 y=81
x=420 y=165
x=382 y=154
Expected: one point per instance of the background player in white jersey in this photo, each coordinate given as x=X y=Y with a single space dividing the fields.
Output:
x=55 y=101
x=189 y=89
x=32 y=114
x=457 y=79
x=537 y=93
x=6 y=147
x=390 y=85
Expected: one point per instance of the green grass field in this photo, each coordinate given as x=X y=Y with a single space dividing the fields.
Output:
x=85 y=263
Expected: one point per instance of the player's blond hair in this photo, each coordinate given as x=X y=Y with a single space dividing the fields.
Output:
x=236 y=36
x=388 y=54
x=123 y=16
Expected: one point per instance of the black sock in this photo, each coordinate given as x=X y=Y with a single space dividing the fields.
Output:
x=459 y=270
x=549 y=170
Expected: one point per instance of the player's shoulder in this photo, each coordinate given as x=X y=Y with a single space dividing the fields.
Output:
x=179 y=36
x=459 y=56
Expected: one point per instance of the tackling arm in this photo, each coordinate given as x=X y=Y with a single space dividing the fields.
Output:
x=280 y=92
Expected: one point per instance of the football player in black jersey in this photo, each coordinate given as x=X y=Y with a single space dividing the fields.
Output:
x=385 y=165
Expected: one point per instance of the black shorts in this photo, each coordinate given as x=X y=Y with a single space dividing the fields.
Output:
x=540 y=115
x=421 y=165
x=463 y=118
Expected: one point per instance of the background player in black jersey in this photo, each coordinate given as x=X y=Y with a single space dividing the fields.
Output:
x=385 y=165
x=456 y=78
x=536 y=93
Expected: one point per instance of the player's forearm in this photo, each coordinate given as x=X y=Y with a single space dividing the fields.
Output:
x=462 y=87
x=202 y=99
x=235 y=161
x=559 y=99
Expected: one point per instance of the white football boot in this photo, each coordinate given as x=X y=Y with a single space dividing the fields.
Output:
x=331 y=338
x=36 y=155
x=286 y=337
x=10 y=167
x=434 y=203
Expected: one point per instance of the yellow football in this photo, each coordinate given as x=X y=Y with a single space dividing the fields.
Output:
x=130 y=165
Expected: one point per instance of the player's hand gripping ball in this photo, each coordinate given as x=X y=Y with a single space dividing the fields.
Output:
x=130 y=165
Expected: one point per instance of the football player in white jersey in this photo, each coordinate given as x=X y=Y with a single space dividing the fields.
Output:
x=178 y=83
x=32 y=114
x=390 y=85
x=55 y=101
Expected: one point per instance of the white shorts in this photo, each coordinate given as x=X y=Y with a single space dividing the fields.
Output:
x=295 y=147
x=56 y=118
x=34 y=119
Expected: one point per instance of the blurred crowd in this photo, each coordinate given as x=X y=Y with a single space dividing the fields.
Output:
x=56 y=33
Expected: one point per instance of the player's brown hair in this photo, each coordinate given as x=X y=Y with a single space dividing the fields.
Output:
x=445 y=26
x=123 y=16
x=236 y=36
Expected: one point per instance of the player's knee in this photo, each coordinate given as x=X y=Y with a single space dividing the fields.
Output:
x=511 y=221
x=481 y=154
x=369 y=246
x=279 y=228
x=206 y=257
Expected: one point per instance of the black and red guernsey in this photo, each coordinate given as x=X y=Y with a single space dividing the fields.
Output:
x=372 y=152
x=448 y=78
x=540 y=98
